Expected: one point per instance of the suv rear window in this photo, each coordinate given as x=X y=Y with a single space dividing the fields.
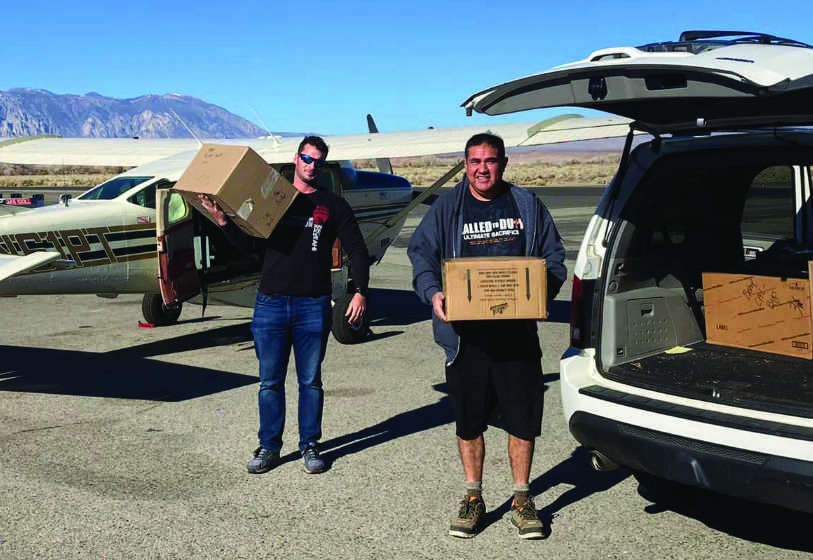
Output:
x=768 y=214
x=721 y=212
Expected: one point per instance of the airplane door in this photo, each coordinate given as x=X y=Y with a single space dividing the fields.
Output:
x=178 y=274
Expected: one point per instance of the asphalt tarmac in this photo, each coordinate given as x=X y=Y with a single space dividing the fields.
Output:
x=123 y=442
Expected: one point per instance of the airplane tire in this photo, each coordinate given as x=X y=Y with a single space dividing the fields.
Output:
x=155 y=312
x=343 y=331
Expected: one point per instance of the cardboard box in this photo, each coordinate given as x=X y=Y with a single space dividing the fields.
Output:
x=763 y=313
x=250 y=192
x=495 y=288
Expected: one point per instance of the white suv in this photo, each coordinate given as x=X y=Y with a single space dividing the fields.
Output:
x=723 y=185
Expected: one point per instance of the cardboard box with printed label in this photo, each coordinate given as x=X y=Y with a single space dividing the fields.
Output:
x=763 y=313
x=495 y=288
x=251 y=192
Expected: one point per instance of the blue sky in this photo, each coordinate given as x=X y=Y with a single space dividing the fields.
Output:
x=322 y=66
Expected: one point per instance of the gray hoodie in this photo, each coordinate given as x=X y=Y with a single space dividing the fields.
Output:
x=439 y=236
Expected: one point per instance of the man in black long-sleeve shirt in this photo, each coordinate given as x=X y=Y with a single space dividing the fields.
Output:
x=293 y=307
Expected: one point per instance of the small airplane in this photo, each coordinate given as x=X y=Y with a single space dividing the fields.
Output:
x=134 y=234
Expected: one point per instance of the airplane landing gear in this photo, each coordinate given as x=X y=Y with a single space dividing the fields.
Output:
x=343 y=331
x=155 y=312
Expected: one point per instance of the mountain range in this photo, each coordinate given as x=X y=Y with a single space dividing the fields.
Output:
x=26 y=112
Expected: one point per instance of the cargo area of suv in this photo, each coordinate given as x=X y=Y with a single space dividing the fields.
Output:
x=723 y=204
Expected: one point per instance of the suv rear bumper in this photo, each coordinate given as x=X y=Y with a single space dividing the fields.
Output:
x=755 y=476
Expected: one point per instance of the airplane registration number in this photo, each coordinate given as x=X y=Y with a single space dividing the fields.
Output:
x=93 y=246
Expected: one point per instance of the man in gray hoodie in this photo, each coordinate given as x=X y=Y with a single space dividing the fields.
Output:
x=493 y=368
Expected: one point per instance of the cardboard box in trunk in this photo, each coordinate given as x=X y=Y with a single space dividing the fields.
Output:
x=763 y=313
x=495 y=288
x=251 y=192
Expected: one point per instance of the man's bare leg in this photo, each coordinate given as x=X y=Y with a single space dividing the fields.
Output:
x=520 y=453
x=472 y=454
x=471 y=518
x=523 y=510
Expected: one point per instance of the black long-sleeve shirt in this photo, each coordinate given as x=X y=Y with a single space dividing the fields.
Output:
x=298 y=253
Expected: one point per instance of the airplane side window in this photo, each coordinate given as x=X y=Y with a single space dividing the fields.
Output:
x=177 y=208
x=287 y=171
x=146 y=196
x=325 y=180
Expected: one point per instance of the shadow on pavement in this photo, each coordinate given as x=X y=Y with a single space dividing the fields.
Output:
x=126 y=373
x=743 y=519
x=404 y=424
x=574 y=471
x=396 y=307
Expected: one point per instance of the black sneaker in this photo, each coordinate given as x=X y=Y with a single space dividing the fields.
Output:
x=264 y=460
x=525 y=518
x=470 y=519
x=314 y=464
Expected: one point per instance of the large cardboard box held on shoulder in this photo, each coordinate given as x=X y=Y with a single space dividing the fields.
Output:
x=763 y=313
x=251 y=192
x=495 y=288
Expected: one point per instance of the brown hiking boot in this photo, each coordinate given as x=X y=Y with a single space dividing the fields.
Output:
x=524 y=518
x=470 y=519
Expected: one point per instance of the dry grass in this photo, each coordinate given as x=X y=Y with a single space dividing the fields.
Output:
x=530 y=169
x=85 y=180
x=537 y=169
x=12 y=176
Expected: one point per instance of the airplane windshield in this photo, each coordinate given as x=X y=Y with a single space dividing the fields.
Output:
x=112 y=188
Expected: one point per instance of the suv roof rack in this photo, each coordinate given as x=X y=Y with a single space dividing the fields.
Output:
x=744 y=37
x=696 y=41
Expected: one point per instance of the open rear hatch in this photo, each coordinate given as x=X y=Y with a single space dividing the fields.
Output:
x=752 y=80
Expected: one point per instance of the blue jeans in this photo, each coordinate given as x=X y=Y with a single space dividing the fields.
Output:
x=280 y=323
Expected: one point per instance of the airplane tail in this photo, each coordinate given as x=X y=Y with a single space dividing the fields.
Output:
x=384 y=165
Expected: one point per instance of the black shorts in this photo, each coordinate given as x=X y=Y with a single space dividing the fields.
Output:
x=497 y=383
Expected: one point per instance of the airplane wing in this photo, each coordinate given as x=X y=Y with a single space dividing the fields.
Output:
x=11 y=265
x=134 y=151
x=9 y=210
x=126 y=152
x=452 y=140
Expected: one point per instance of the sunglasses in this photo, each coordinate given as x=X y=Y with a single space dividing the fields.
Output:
x=307 y=160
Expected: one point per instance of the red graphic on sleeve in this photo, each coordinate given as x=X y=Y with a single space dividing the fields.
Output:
x=320 y=215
